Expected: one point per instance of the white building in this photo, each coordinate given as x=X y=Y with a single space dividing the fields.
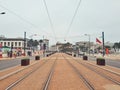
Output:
x=44 y=45
x=18 y=43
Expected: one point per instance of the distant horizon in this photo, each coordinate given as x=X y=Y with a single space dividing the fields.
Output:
x=61 y=42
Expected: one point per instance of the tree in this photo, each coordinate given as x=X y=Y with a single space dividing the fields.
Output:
x=30 y=43
x=33 y=43
x=66 y=47
x=40 y=41
x=116 y=46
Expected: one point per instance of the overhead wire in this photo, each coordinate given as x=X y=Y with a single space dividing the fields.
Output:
x=50 y=20
x=69 y=27
x=21 y=18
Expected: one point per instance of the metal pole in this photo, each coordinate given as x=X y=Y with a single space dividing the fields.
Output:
x=24 y=42
x=103 y=44
x=89 y=44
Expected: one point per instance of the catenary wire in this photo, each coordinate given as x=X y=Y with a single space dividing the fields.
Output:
x=69 y=27
x=21 y=18
x=50 y=19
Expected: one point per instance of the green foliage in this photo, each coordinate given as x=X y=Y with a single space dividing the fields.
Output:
x=32 y=43
x=116 y=45
x=66 y=47
x=100 y=58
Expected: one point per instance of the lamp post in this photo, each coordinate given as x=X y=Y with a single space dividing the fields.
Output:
x=0 y=40
x=89 y=42
x=103 y=44
x=24 y=43
x=2 y=13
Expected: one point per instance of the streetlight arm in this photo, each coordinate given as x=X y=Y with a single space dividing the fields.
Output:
x=2 y=13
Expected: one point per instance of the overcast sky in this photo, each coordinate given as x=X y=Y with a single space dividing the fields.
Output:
x=93 y=17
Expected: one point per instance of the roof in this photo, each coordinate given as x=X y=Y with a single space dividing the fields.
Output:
x=12 y=39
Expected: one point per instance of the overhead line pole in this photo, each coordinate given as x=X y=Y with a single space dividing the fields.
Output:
x=103 y=43
x=24 y=43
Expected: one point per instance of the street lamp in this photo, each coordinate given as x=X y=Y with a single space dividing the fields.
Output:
x=24 y=43
x=89 y=42
x=2 y=13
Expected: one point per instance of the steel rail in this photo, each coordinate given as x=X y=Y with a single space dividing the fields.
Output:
x=98 y=72
x=12 y=73
x=25 y=76
x=49 y=76
x=86 y=82
x=118 y=74
x=103 y=75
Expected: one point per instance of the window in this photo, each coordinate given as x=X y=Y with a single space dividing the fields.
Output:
x=15 y=43
x=19 y=43
x=8 y=43
x=12 y=43
x=4 y=43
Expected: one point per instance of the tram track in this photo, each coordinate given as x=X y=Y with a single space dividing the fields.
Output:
x=46 y=85
x=61 y=72
x=97 y=71
x=9 y=80
x=15 y=72
x=85 y=80
x=17 y=83
x=112 y=76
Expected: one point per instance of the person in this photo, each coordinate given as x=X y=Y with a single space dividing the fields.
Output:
x=15 y=54
x=8 y=54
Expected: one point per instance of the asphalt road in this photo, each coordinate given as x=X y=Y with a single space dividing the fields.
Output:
x=4 y=64
x=114 y=63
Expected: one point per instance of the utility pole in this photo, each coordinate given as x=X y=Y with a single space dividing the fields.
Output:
x=89 y=43
x=103 y=44
x=24 y=42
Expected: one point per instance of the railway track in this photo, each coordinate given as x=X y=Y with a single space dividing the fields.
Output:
x=112 y=76
x=13 y=78
x=85 y=80
x=22 y=79
x=48 y=74
x=46 y=85
x=15 y=72
x=107 y=74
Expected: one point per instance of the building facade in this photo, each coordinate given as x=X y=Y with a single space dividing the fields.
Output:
x=13 y=42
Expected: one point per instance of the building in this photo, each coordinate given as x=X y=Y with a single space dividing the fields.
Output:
x=44 y=44
x=13 y=44
x=84 y=46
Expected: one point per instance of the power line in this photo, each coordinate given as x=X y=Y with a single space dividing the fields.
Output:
x=21 y=18
x=69 y=27
x=50 y=19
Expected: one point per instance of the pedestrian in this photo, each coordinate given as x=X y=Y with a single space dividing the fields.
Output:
x=15 y=53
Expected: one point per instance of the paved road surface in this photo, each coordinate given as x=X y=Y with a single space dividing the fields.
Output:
x=4 y=64
x=114 y=63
